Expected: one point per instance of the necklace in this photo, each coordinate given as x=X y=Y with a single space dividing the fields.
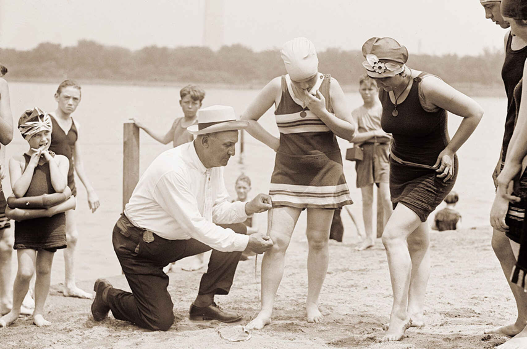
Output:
x=395 y=111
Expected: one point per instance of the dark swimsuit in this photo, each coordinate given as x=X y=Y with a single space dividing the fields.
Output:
x=418 y=137
x=41 y=233
x=64 y=144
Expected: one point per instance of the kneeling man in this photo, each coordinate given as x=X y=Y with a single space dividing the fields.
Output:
x=177 y=210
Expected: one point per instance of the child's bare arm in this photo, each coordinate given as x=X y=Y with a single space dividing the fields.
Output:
x=26 y=214
x=58 y=166
x=20 y=177
x=93 y=199
x=6 y=119
x=158 y=136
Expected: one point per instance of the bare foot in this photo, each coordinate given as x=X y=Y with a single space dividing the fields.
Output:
x=196 y=263
x=517 y=342
x=509 y=330
x=397 y=328
x=259 y=322
x=365 y=245
x=313 y=314
x=76 y=292
x=417 y=320
x=4 y=308
x=8 y=319
x=40 y=321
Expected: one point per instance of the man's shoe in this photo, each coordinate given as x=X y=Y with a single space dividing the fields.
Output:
x=212 y=312
x=100 y=307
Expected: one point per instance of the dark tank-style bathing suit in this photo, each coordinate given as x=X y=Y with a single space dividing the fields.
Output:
x=64 y=144
x=41 y=233
x=418 y=137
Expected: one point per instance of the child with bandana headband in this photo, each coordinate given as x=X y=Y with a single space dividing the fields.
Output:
x=37 y=172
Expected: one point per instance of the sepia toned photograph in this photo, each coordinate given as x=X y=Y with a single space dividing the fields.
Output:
x=263 y=174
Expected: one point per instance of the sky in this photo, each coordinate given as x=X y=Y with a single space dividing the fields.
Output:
x=433 y=27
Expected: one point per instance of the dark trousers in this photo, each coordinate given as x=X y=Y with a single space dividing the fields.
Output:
x=142 y=255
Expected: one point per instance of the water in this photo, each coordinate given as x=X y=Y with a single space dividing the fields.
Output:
x=104 y=109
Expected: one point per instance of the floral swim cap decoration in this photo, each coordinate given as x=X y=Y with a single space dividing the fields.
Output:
x=33 y=121
x=385 y=57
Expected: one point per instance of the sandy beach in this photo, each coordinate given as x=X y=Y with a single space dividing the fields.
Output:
x=466 y=295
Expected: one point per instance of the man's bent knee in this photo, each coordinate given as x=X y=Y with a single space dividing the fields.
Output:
x=162 y=322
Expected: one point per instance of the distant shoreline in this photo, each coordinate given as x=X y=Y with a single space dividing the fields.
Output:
x=470 y=89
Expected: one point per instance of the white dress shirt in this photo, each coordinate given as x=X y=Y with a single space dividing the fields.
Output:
x=178 y=198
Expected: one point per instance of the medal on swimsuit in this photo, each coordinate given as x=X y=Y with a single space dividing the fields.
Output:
x=395 y=112
x=303 y=113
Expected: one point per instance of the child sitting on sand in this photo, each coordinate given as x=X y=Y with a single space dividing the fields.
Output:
x=191 y=101
x=38 y=180
x=447 y=218
x=242 y=188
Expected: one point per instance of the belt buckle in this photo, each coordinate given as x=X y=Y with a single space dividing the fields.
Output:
x=148 y=236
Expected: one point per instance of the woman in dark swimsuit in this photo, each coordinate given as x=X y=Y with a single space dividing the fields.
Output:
x=423 y=167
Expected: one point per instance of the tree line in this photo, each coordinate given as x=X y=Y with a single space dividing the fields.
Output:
x=231 y=65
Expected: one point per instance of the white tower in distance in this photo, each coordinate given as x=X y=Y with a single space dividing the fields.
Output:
x=213 y=34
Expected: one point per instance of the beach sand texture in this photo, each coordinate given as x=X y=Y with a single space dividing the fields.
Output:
x=467 y=291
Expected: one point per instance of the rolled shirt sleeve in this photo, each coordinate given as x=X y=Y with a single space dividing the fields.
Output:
x=172 y=193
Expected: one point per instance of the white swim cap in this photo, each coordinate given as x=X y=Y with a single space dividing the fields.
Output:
x=300 y=58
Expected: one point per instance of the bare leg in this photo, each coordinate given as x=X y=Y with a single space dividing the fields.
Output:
x=317 y=232
x=28 y=305
x=367 y=197
x=6 y=253
x=42 y=286
x=70 y=289
x=26 y=269
x=384 y=198
x=418 y=243
x=280 y=229
x=400 y=225
x=503 y=250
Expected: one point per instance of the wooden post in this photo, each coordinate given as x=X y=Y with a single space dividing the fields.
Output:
x=130 y=160
x=241 y=157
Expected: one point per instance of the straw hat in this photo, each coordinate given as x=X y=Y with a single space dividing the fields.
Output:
x=216 y=119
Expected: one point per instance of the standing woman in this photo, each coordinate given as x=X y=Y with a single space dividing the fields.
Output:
x=310 y=110
x=423 y=167
x=6 y=234
x=512 y=72
x=508 y=213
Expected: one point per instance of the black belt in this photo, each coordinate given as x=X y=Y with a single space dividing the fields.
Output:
x=128 y=229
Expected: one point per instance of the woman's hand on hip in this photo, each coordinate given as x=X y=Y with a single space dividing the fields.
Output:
x=445 y=164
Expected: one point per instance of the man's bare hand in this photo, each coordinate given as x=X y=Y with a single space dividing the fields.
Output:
x=259 y=204
x=259 y=243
